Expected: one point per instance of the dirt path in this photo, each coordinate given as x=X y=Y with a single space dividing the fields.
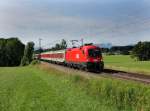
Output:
x=107 y=73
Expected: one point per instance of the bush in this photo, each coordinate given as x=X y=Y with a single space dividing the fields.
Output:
x=28 y=54
x=11 y=51
x=34 y=62
x=141 y=51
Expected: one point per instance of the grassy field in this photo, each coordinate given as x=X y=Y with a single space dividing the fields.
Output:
x=126 y=63
x=42 y=89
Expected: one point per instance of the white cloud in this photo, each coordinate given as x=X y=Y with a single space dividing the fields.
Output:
x=54 y=21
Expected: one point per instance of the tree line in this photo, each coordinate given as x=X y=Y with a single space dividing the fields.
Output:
x=12 y=51
x=140 y=51
x=124 y=50
x=58 y=46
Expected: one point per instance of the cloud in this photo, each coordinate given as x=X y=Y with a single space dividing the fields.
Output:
x=117 y=21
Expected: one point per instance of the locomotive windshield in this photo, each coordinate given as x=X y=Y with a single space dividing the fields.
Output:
x=94 y=52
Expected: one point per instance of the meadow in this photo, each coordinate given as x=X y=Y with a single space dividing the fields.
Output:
x=126 y=63
x=38 y=88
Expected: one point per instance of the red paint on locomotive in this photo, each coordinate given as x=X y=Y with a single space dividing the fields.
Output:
x=88 y=57
x=82 y=54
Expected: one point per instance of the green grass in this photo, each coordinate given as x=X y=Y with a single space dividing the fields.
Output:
x=42 y=89
x=126 y=63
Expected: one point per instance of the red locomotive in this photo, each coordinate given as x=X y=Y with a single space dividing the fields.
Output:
x=86 y=57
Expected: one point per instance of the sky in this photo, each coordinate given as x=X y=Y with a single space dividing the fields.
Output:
x=120 y=22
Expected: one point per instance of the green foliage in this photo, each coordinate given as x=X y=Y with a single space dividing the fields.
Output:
x=77 y=78
x=28 y=54
x=32 y=89
x=11 y=52
x=63 y=44
x=124 y=96
x=34 y=62
x=141 y=51
x=58 y=46
x=116 y=50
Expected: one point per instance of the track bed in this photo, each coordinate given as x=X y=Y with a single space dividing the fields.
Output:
x=128 y=75
x=106 y=73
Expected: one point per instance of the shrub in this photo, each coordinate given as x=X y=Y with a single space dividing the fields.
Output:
x=141 y=51
x=11 y=51
x=34 y=62
x=28 y=54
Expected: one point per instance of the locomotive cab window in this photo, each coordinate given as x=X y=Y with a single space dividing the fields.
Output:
x=94 y=52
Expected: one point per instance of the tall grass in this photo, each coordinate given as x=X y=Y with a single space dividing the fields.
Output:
x=122 y=95
x=35 y=89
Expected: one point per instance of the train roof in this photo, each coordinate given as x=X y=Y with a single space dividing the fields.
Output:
x=83 y=47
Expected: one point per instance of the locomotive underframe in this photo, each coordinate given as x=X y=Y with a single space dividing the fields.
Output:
x=88 y=66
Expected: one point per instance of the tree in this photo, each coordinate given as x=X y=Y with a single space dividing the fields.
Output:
x=57 y=47
x=2 y=52
x=125 y=50
x=141 y=51
x=63 y=44
x=11 y=51
x=28 y=54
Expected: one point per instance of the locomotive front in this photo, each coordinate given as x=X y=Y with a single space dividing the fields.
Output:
x=94 y=58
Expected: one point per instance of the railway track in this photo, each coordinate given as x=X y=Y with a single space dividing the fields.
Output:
x=106 y=73
x=128 y=75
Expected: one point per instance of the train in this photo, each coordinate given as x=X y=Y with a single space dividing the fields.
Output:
x=87 y=57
